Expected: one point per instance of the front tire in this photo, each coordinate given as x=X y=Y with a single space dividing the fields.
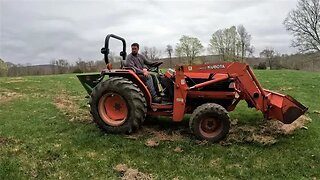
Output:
x=118 y=105
x=210 y=122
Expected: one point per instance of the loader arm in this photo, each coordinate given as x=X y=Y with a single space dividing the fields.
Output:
x=273 y=105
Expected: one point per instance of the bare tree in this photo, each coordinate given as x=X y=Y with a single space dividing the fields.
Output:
x=151 y=53
x=269 y=54
x=304 y=23
x=53 y=66
x=81 y=65
x=115 y=59
x=251 y=50
x=91 y=66
x=245 y=39
x=145 y=52
x=169 y=50
x=154 y=53
x=63 y=65
x=100 y=64
x=189 y=47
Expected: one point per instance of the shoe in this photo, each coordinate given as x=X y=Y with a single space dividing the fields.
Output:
x=156 y=99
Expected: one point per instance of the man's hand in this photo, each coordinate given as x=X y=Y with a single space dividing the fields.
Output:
x=145 y=72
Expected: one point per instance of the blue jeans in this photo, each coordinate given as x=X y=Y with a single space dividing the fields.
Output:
x=149 y=82
x=150 y=86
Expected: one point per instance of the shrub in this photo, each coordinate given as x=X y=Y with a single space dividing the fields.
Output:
x=77 y=70
x=261 y=65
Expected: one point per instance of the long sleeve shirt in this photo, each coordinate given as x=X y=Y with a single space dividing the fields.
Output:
x=138 y=62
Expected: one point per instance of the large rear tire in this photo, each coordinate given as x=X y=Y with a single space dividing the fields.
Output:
x=118 y=105
x=210 y=122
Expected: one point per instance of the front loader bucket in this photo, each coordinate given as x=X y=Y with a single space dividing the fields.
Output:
x=89 y=81
x=283 y=107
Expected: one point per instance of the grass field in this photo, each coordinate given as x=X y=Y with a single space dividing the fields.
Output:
x=46 y=133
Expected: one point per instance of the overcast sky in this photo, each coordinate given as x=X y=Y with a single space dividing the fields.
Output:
x=36 y=32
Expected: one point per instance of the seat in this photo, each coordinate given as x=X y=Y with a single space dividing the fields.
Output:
x=123 y=64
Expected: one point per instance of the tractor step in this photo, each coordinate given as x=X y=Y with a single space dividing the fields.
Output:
x=162 y=106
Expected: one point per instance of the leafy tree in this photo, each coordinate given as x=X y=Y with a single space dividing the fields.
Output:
x=230 y=43
x=3 y=68
x=304 y=24
x=189 y=47
x=244 y=38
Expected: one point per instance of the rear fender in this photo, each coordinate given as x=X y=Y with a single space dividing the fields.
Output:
x=132 y=76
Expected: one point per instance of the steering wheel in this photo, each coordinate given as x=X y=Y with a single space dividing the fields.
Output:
x=156 y=64
x=154 y=67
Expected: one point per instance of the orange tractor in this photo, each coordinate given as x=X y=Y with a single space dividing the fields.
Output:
x=120 y=102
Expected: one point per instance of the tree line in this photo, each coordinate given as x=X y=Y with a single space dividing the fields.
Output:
x=58 y=66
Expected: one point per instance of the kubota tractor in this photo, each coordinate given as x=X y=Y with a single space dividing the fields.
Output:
x=120 y=101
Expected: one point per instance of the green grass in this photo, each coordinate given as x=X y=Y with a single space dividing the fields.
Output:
x=39 y=140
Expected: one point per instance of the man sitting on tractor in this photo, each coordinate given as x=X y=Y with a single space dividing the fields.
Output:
x=139 y=63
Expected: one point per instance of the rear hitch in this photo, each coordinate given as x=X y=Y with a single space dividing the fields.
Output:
x=89 y=81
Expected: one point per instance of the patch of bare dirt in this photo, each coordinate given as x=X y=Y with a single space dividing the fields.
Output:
x=158 y=135
x=19 y=80
x=7 y=95
x=201 y=142
x=264 y=139
x=131 y=174
x=232 y=166
x=161 y=135
x=265 y=134
x=3 y=140
x=215 y=162
x=71 y=109
x=92 y=154
x=178 y=149
x=7 y=140
x=152 y=143
x=16 y=80
x=137 y=135
x=286 y=129
x=121 y=168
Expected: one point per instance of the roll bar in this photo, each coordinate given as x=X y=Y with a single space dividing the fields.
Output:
x=105 y=50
